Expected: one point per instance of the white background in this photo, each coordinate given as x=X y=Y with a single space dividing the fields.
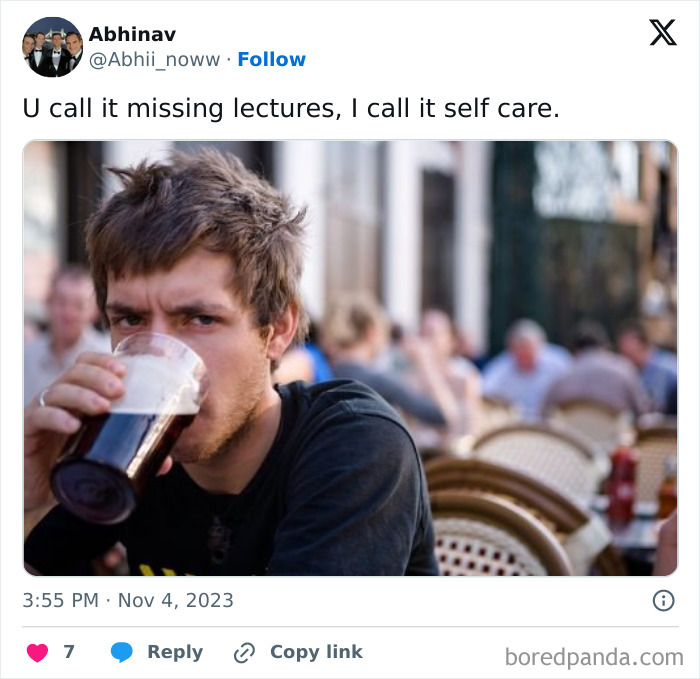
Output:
x=592 y=61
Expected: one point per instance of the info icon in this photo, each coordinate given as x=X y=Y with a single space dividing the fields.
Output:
x=663 y=600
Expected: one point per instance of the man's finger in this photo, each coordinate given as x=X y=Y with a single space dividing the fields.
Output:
x=94 y=377
x=51 y=419
x=75 y=398
x=166 y=466
x=107 y=361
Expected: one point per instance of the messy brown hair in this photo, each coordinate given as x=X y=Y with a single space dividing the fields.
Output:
x=203 y=200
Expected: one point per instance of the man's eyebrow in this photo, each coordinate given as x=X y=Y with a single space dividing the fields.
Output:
x=121 y=308
x=189 y=308
x=198 y=307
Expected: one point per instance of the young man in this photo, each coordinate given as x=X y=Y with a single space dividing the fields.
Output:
x=293 y=480
x=56 y=62
x=40 y=52
x=74 y=43
x=28 y=43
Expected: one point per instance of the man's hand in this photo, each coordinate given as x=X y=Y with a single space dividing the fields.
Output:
x=85 y=389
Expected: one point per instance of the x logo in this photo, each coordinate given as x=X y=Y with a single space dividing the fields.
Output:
x=662 y=31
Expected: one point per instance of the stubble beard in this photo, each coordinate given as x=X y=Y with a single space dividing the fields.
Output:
x=234 y=436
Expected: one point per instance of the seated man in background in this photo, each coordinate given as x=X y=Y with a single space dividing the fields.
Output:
x=71 y=310
x=598 y=374
x=286 y=480
x=523 y=373
x=658 y=369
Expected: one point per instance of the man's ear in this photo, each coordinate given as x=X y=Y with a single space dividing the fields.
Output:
x=283 y=331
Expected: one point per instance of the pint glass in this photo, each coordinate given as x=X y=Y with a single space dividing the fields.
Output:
x=106 y=465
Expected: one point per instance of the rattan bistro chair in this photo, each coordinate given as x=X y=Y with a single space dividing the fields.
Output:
x=495 y=413
x=481 y=534
x=583 y=535
x=556 y=457
x=604 y=426
x=654 y=445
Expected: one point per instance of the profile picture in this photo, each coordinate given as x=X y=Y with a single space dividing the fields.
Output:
x=52 y=47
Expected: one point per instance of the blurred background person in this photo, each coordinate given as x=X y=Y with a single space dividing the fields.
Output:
x=439 y=331
x=356 y=335
x=658 y=369
x=71 y=310
x=305 y=362
x=667 y=553
x=523 y=374
x=30 y=330
x=598 y=374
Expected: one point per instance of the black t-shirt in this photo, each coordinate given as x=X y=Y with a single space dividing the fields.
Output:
x=341 y=492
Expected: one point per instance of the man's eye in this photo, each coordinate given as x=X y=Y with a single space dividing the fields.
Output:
x=128 y=321
x=203 y=320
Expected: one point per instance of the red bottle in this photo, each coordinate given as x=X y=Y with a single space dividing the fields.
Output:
x=621 y=486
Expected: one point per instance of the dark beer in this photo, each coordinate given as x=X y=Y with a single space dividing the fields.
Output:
x=106 y=466
x=108 y=463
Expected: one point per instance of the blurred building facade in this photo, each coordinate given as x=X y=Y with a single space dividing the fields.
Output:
x=487 y=231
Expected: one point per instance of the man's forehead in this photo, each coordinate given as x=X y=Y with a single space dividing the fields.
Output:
x=142 y=290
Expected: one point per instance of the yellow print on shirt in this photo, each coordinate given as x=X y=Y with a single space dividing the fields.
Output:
x=147 y=570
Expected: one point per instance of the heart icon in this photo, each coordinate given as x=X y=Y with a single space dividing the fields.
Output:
x=37 y=653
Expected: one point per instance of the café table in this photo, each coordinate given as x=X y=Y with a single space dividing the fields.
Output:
x=637 y=539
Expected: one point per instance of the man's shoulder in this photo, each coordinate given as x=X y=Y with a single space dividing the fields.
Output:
x=340 y=414
x=37 y=346
x=614 y=363
x=665 y=361
x=555 y=357
x=336 y=396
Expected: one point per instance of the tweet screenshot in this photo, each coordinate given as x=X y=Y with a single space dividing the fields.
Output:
x=338 y=293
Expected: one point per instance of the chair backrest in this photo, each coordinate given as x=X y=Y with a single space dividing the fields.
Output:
x=583 y=535
x=556 y=457
x=481 y=534
x=654 y=445
x=496 y=413
x=604 y=426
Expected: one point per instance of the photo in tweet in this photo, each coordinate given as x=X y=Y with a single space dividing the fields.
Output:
x=350 y=358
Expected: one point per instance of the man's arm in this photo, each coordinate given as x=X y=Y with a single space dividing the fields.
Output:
x=61 y=544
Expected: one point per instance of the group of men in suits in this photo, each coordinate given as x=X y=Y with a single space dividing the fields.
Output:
x=52 y=61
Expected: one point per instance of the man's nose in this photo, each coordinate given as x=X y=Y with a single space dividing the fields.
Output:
x=164 y=325
x=161 y=326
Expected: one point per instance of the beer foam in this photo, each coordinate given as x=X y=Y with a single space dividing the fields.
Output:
x=155 y=385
